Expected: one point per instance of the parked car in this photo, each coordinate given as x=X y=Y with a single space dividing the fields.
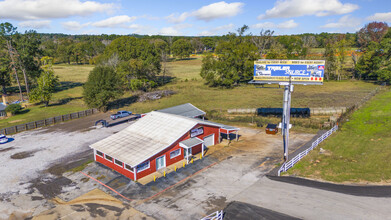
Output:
x=271 y=129
x=120 y=114
x=3 y=139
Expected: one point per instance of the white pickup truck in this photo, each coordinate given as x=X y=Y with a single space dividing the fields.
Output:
x=120 y=114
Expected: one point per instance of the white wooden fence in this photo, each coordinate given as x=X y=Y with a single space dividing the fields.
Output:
x=287 y=165
x=218 y=215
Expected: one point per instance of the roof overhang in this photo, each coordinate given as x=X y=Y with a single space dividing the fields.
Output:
x=191 y=142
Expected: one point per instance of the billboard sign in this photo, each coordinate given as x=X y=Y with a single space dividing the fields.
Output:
x=294 y=71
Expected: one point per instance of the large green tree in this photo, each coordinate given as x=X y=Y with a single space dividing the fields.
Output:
x=137 y=61
x=182 y=48
x=234 y=62
x=103 y=85
x=375 y=63
x=46 y=83
x=7 y=32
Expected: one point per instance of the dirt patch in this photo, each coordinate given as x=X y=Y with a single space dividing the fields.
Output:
x=6 y=149
x=154 y=95
x=50 y=188
x=23 y=154
x=68 y=164
x=94 y=204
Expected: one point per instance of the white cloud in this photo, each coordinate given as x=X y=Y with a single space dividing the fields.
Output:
x=345 y=22
x=114 y=21
x=217 y=30
x=209 y=12
x=270 y=25
x=297 y=8
x=44 y=9
x=170 y=31
x=35 y=24
x=74 y=25
x=382 y=17
x=265 y=25
x=174 y=18
x=175 y=30
x=218 y=10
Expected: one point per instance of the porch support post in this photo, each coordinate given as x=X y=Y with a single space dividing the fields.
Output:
x=219 y=135
x=237 y=137
x=187 y=156
x=135 y=173
x=203 y=149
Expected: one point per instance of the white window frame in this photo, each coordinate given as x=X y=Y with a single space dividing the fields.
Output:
x=118 y=164
x=96 y=153
x=140 y=170
x=180 y=152
x=112 y=158
x=127 y=168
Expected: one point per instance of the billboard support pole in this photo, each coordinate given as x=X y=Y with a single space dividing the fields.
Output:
x=286 y=118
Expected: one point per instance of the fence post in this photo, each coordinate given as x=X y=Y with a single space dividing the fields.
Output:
x=16 y=129
x=78 y=115
x=44 y=122
x=62 y=117
x=25 y=125
x=35 y=123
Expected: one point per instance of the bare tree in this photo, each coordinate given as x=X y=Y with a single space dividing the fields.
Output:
x=262 y=41
x=309 y=41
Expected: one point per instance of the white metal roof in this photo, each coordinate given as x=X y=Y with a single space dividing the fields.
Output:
x=145 y=138
x=191 y=142
x=187 y=110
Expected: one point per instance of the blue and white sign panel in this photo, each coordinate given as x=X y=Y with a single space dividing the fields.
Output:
x=294 y=71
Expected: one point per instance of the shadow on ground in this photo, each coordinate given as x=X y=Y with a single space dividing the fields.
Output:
x=134 y=190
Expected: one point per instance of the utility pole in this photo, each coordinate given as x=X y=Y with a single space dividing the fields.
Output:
x=288 y=89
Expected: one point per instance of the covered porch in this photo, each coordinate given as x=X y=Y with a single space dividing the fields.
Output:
x=229 y=130
x=188 y=146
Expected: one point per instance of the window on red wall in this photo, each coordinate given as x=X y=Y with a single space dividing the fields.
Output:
x=119 y=163
x=99 y=153
x=175 y=153
x=143 y=166
x=109 y=158
x=128 y=167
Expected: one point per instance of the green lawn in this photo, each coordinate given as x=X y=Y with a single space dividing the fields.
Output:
x=359 y=151
x=189 y=87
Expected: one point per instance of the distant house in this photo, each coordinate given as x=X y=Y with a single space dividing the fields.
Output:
x=2 y=110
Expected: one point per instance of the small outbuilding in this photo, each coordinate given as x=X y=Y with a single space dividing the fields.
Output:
x=187 y=110
x=156 y=141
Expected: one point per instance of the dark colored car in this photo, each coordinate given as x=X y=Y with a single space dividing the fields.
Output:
x=120 y=114
x=271 y=129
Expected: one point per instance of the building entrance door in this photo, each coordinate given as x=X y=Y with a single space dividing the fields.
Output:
x=160 y=162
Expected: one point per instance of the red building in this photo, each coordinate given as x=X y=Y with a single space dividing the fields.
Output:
x=156 y=141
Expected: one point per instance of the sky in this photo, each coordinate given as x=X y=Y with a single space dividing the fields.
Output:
x=192 y=18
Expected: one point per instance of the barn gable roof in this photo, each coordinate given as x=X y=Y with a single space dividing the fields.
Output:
x=187 y=110
x=146 y=137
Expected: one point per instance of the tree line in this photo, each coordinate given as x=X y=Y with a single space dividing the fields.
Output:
x=138 y=62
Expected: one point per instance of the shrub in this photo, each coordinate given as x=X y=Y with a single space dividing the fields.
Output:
x=13 y=108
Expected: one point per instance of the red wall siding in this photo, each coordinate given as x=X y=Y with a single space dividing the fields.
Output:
x=208 y=130
x=114 y=166
x=196 y=149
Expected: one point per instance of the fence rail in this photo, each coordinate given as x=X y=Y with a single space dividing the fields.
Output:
x=287 y=165
x=46 y=122
x=218 y=215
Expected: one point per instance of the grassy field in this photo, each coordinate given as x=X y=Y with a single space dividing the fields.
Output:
x=189 y=87
x=67 y=100
x=359 y=151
